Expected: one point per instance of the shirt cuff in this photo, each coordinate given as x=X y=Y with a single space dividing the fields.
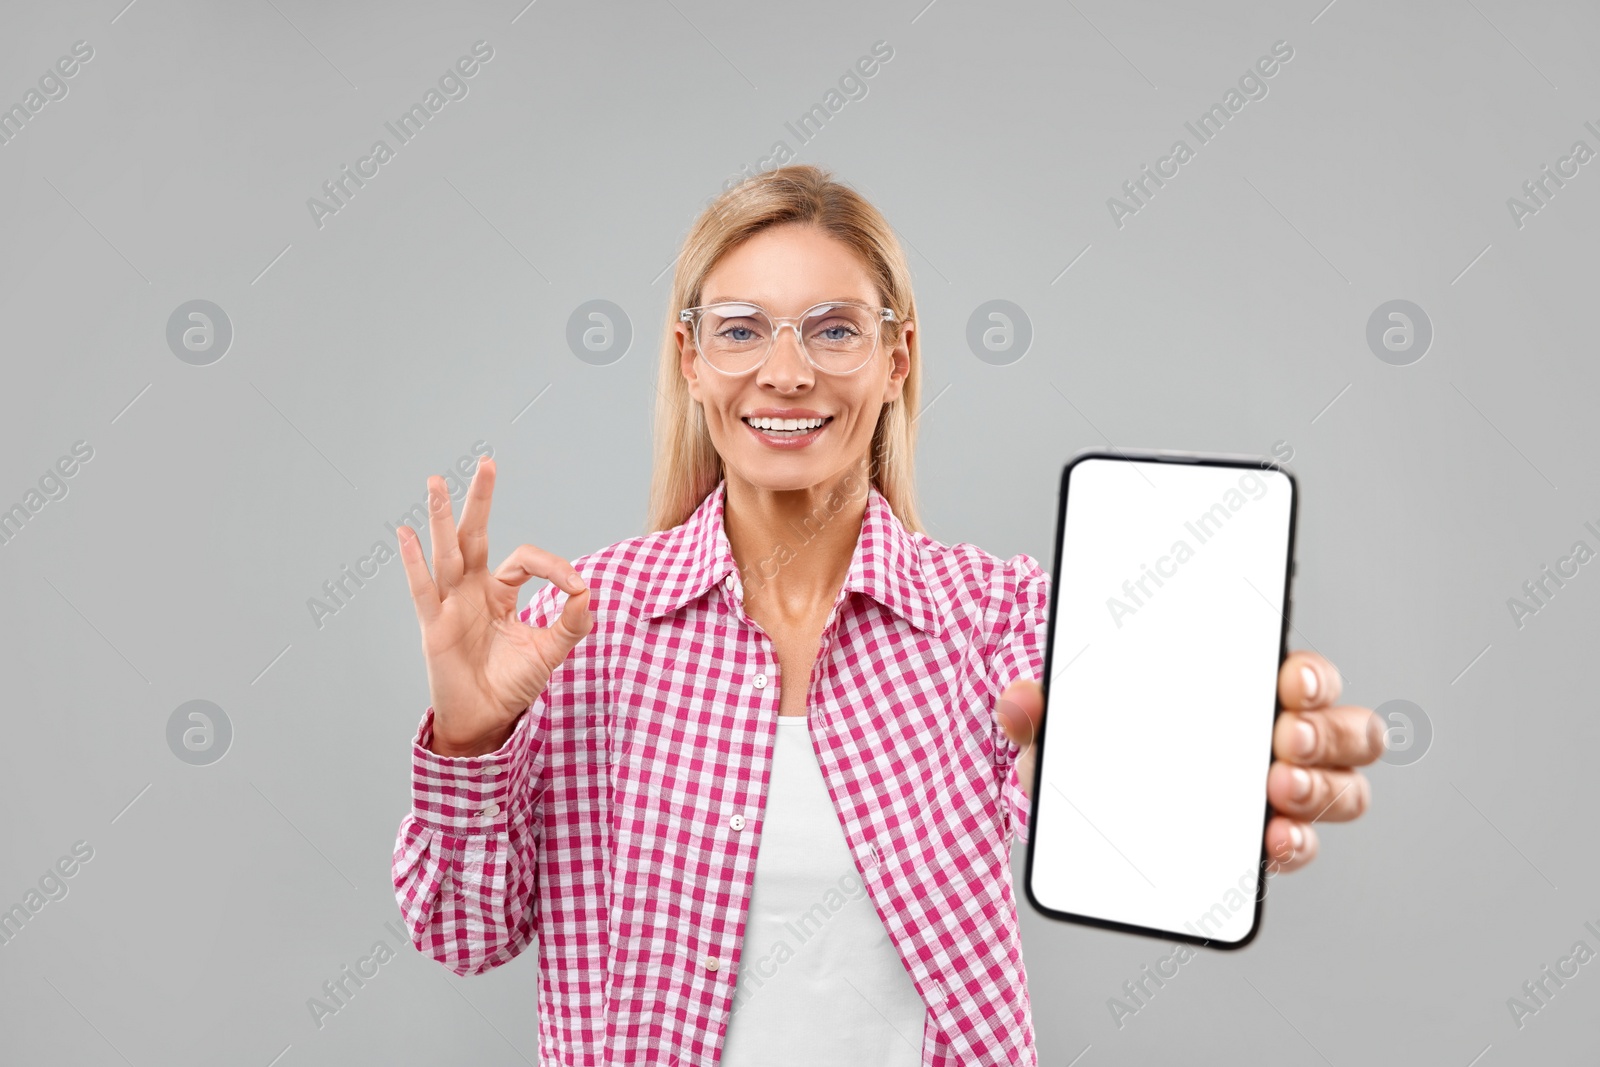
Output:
x=470 y=795
x=1017 y=802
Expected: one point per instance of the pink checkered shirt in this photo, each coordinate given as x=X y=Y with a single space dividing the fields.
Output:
x=619 y=823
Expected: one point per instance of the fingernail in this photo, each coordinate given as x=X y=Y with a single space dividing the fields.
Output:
x=1301 y=784
x=1305 y=738
x=574 y=583
x=1308 y=678
x=1297 y=836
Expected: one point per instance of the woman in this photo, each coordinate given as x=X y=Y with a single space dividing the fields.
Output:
x=752 y=778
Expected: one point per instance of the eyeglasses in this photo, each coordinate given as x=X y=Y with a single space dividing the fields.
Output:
x=736 y=337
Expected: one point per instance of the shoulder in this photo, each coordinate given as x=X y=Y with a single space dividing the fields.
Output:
x=618 y=576
x=998 y=606
x=990 y=591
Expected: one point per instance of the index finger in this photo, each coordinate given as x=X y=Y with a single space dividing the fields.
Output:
x=1307 y=680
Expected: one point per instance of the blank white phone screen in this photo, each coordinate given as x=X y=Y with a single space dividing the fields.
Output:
x=1158 y=736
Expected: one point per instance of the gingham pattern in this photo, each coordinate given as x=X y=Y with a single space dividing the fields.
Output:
x=605 y=824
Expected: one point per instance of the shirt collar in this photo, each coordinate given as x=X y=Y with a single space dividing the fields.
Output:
x=886 y=565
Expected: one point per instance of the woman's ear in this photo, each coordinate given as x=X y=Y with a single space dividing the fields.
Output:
x=900 y=356
x=686 y=355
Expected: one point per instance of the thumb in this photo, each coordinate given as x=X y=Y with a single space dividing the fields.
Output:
x=1020 y=709
x=573 y=624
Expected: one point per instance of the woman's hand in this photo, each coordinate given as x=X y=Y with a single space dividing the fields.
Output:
x=1317 y=745
x=484 y=665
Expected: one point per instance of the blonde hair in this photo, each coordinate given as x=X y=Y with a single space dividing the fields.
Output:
x=687 y=466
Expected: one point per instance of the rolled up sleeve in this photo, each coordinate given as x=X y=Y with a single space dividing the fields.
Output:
x=1021 y=610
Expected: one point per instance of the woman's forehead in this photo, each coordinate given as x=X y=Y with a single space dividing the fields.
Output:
x=789 y=266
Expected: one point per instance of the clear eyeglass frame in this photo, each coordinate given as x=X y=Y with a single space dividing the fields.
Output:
x=690 y=315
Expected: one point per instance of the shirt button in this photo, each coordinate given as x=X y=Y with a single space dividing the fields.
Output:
x=760 y=681
x=711 y=963
x=492 y=810
x=737 y=822
x=489 y=768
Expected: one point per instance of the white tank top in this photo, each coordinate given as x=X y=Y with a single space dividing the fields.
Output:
x=819 y=980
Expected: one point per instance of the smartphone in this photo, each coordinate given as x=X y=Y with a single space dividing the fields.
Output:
x=1169 y=619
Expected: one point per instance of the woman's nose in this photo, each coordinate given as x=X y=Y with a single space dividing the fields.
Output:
x=787 y=361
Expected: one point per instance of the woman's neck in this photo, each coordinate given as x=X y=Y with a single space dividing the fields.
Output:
x=793 y=547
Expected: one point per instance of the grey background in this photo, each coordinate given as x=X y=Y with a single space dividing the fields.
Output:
x=1229 y=313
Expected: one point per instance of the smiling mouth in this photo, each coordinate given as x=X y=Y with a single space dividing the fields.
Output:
x=777 y=427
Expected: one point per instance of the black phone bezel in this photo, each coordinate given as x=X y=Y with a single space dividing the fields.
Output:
x=1214 y=459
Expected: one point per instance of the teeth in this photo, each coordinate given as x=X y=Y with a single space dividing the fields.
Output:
x=785 y=424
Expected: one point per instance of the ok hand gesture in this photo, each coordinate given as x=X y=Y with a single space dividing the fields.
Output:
x=485 y=666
